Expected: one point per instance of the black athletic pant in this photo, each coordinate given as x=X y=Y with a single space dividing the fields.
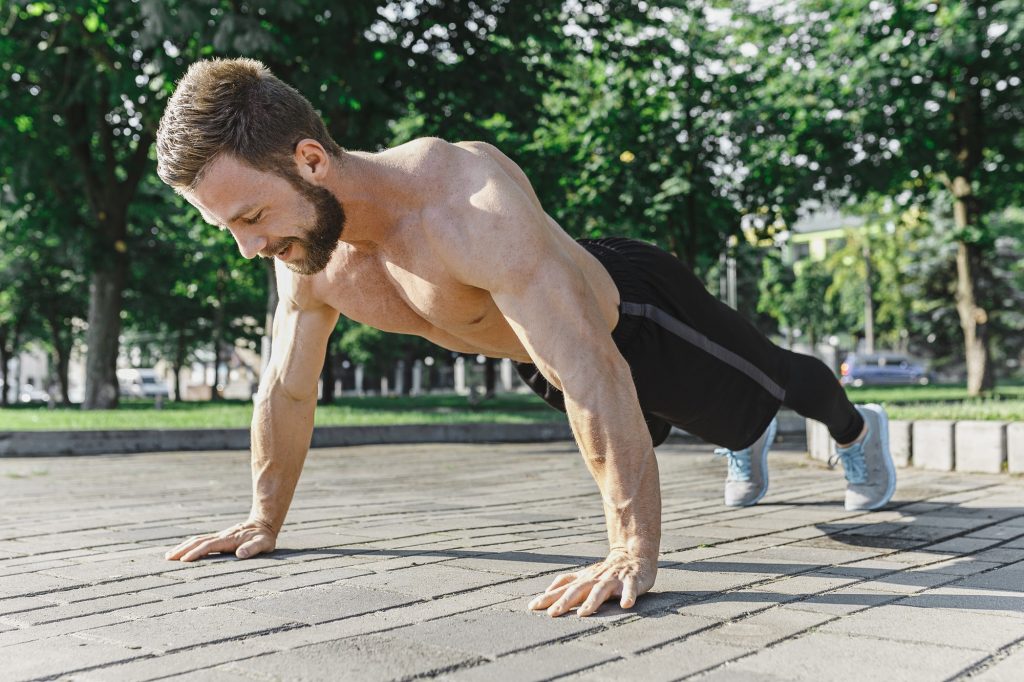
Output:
x=813 y=392
x=697 y=363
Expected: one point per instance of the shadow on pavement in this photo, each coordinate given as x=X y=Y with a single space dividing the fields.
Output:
x=939 y=530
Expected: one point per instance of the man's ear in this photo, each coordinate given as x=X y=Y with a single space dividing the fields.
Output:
x=312 y=160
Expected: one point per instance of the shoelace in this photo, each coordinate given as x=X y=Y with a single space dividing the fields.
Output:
x=854 y=464
x=739 y=463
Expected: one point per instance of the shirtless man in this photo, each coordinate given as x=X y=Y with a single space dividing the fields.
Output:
x=449 y=241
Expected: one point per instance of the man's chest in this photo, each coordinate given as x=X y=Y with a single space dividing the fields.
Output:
x=399 y=290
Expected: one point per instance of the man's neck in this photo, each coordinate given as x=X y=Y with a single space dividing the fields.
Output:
x=372 y=194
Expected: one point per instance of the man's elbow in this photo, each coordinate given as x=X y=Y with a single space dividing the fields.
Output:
x=279 y=388
x=601 y=370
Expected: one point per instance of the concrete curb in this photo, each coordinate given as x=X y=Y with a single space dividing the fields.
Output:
x=932 y=444
x=942 y=445
x=980 y=446
x=1015 y=448
x=112 y=442
x=49 y=443
x=914 y=442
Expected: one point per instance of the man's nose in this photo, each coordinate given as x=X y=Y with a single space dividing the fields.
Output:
x=249 y=245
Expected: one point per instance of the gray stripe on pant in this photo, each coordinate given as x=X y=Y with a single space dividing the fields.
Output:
x=691 y=335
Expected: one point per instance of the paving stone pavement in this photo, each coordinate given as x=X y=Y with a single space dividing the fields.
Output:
x=407 y=562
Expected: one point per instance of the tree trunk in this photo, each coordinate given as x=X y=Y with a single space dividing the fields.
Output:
x=215 y=394
x=973 y=320
x=63 y=366
x=970 y=272
x=218 y=335
x=968 y=131
x=327 y=375
x=869 y=301
x=490 y=377
x=62 y=351
x=179 y=361
x=410 y=358
x=105 y=292
x=5 y=361
x=268 y=333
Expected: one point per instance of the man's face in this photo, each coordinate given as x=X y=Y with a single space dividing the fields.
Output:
x=293 y=220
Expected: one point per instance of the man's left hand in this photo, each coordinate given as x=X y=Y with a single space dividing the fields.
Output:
x=620 y=575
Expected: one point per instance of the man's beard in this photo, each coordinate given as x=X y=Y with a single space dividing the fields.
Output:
x=321 y=239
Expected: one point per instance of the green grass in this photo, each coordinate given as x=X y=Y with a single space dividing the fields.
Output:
x=927 y=394
x=902 y=402
x=989 y=410
x=140 y=414
x=1006 y=403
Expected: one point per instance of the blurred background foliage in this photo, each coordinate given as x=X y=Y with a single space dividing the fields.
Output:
x=702 y=126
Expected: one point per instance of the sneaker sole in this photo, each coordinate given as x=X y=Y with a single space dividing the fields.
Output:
x=883 y=422
x=773 y=428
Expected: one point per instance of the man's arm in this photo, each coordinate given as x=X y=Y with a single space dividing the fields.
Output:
x=282 y=426
x=510 y=250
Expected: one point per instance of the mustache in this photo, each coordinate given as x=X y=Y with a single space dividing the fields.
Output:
x=277 y=247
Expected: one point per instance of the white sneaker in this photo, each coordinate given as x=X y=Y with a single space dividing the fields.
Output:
x=870 y=473
x=747 y=481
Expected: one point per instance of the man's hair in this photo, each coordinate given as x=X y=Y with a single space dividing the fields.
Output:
x=237 y=107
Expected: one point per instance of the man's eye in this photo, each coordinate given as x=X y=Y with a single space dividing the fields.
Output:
x=255 y=219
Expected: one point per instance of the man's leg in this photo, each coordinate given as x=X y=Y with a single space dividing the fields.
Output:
x=814 y=392
x=701 y=366
x=861 y=432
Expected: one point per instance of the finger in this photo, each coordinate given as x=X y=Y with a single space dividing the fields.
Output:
x=548 y=598
x=573 y=596
x=628 y=592
x=257 y=545
x=598 y=596
x=553 y=592
x=561 y=580
x=209 y=547
x=185 y=543
x=185 y=547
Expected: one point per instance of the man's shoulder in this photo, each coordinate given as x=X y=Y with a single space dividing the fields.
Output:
x=426 y=156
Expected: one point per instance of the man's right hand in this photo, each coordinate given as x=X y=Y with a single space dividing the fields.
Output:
x=244 y=539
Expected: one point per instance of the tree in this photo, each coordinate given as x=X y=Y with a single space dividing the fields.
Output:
x=901 y=99
x=640 y=113
x=78 y=77
x=41 y=286
x=94 y=75
x=189 y=287
x=803 y=299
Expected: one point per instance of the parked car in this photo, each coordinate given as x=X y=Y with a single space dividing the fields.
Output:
x=860 y=369
x=142 y=383
x=31 y=394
